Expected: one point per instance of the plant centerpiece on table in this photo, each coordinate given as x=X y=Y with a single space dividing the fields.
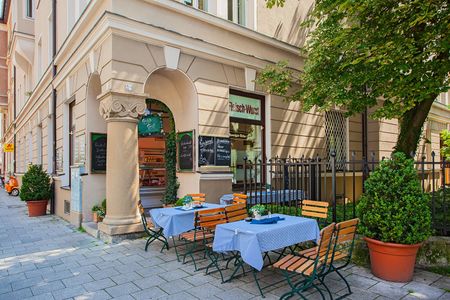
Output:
x=36 y=190
x=258 y=211
x=395 y=218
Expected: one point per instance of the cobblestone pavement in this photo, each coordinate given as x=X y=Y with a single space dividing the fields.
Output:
x=46 y=258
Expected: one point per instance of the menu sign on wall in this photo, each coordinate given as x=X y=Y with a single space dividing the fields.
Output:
x=185 y=150
x=245 y=108
x=98 y=152
x=214 y=151
x=223 y=151
x=206 y=150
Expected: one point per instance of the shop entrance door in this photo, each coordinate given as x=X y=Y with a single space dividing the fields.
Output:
x=152 y=130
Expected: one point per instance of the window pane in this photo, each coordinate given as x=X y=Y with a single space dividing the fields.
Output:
x=188 y=2
x=203 y=5
x=241 y=12
x=246 y=141
x=230 y=10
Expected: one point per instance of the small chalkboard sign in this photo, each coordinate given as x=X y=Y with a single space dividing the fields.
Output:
x=223 y=151
x=206 y=145
x=185 y=150
x=98 y=152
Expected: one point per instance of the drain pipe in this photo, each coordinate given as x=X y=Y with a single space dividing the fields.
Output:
x=54 y=70
x=14 y=121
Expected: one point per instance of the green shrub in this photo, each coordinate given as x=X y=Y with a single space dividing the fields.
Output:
x=95 y=208
x=35 y=184
x=393 y=208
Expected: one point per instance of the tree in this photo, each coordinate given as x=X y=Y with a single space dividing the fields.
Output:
x=389 y=54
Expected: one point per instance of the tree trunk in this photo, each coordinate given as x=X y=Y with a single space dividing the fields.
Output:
x=411 y=126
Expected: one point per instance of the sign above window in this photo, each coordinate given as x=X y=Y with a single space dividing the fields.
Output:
x=245 y=108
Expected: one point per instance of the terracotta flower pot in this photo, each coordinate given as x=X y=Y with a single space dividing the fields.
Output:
x=37 y=208
x=392 y=262
x=95 y=217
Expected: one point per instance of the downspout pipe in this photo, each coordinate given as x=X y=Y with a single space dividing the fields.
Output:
x=54 y=98
x=14 y=120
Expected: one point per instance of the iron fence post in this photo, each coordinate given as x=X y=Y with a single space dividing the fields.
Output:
x=333 y=182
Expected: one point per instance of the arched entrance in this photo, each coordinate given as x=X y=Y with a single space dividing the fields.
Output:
x=175 y=90
x=157 y=155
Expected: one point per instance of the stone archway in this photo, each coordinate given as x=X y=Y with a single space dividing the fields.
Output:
x=177 y=91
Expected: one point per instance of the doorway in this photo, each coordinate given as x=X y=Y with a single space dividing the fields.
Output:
x=153 y=130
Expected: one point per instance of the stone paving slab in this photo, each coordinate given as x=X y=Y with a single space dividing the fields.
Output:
x=46 y=258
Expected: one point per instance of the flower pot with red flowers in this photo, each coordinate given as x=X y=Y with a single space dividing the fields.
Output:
x=395 y=218
x=36 y=190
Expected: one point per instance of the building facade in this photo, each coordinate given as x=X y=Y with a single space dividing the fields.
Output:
x=96 y=88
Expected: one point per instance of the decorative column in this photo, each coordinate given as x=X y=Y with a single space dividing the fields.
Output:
x=121 y=112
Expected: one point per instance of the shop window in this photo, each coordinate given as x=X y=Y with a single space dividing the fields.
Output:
x=336 y=136
x=246 y=133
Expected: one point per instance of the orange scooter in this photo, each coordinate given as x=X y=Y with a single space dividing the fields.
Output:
x=12 y=186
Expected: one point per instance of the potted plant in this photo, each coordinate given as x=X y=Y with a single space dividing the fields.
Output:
x=258 y=211
x=395 y=218
x=36 y=190
x=95 y=213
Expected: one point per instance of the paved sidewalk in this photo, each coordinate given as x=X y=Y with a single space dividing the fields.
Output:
x=45 y=258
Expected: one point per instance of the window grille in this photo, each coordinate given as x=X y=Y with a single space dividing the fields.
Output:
x=66 y=207
x=336 y=137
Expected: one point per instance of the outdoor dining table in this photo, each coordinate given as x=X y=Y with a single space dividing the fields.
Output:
x=176 y=220
x=254 y=240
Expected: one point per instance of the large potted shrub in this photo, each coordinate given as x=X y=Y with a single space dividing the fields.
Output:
x=395 y=218
x=36 y=190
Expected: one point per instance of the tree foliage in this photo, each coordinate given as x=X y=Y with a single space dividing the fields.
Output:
x=445 y=150
x=35 y=184
x=393 y=208
x=363 y=51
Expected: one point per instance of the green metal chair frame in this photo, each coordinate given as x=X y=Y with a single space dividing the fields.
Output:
x=153 y=233
x=309 y=267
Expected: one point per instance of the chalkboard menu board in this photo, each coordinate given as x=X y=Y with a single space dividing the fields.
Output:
x=206 y=150
x=223 y=151
x=185 y=150
x=98 y=152
x=214 y=151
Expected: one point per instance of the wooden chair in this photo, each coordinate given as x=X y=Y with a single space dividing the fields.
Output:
x=316 y=209
x=201 y=197
x=239 y=198
x=152 y=232
x=205 y=221
x=236 y=212
x=310 y=267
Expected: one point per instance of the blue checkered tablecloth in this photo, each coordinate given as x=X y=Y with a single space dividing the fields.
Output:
x=253 y=240
x=267 y=197
x=175 y=221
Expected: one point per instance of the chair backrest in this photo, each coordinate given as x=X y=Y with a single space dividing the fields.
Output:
x=345 y=233
x=326 y=242
x=198 y=197
x=236 y=212
x=239 y=198
x=315 y=209
x=208 y=219
x=142 y=212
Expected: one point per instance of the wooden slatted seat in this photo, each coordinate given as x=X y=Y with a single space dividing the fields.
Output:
x=193 y=235
x=201 y=197
x=236 y=212
x=205 y=222
x=239 y=198
x=311 y=267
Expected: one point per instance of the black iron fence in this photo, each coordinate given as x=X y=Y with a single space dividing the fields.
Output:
x=282 y=183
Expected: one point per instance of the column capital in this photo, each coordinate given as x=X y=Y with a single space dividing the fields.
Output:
x=122 y=106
